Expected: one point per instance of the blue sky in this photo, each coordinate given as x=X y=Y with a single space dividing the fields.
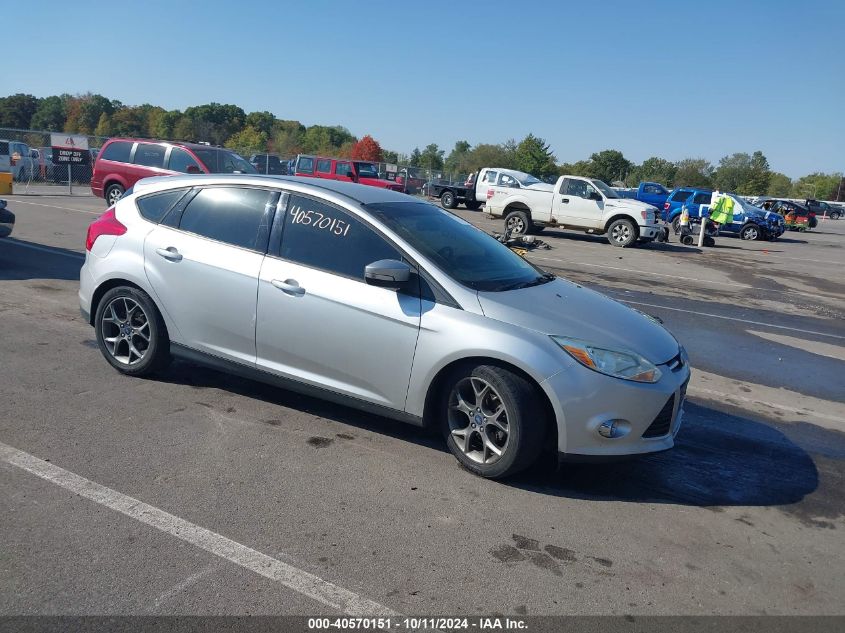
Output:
x=673 y=79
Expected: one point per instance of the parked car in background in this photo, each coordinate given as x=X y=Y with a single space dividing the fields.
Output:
x=7 y=218
x=749 y=222
x=268 y=164
x=573 y=202
x=412 y=180
x=823 y=208
x=652 y=193
x=800 y=216
x=343 y=169
x=386 y=303
x=22 y=163
x=124 y=161
x=47 y=170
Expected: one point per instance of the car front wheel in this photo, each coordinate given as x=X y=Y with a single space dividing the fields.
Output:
x=131 y=333
x=622 y=233
x=494 y=424
x=750 y=232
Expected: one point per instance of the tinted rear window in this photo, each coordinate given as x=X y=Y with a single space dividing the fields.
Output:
x=702 y=198
x=117 y=151
x=154 y=207
x=149 y=155
x=232 y=215
x=680 y=196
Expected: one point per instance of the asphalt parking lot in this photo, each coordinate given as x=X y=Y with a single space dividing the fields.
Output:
x=200 y=493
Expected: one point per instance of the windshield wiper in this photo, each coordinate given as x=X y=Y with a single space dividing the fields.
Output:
x=537 y=281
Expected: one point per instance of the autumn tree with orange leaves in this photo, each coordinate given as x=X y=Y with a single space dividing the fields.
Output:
x=367 y=149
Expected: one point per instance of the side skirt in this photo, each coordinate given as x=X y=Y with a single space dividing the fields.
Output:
x=260 y=375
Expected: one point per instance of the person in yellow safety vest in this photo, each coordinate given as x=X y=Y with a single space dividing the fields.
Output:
x=721 y=208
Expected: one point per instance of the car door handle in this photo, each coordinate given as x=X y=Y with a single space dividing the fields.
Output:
x=170 y=253
x=565 y=200
x=289 y=286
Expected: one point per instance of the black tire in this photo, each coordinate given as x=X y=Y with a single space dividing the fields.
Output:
x=448 y=200
x=526 y=420
x=835 y=215
x=156 y=355
x=676 y=225
x=113 y=193
x=813 y=223
x=622 y=233
x=751 y=232
x=472 y=205
x=709 y=241
x=518 y=223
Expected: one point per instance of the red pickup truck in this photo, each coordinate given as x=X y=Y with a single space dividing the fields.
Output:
x=360 y=171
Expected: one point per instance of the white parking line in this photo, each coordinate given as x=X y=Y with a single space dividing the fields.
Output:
x=291 y=577
x=55 y=206
x=721 y=316
x=45 y=249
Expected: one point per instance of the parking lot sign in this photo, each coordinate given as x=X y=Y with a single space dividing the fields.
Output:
x=69 y=149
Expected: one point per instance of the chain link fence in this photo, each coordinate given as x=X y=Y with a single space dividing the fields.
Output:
x=30 y=160
x=31 y=163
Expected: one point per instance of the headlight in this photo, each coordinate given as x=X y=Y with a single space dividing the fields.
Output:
x=623 y=364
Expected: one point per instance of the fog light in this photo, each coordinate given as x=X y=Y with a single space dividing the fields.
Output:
x=613 y=429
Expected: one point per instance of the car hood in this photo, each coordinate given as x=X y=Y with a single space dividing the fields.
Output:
x=629 y=203
x=540 y=186
x=564 y=308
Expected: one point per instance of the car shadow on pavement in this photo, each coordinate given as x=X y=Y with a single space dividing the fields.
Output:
x=719 y=459
x=21 y=260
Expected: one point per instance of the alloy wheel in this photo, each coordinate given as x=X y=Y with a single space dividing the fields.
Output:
x=478 y=420
x=516 y=225
x=621 y=233
x=126 y=330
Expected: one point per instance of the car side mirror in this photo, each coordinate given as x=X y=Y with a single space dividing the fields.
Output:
x=193 y=169
x=595 y=195
x=387 y=273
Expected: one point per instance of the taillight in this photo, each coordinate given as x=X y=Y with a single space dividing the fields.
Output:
x=106 y=224
x=665 y=206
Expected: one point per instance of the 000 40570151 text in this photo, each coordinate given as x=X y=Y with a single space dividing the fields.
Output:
x=333 y=225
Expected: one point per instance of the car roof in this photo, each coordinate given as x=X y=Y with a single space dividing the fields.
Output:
x=128 y=139
x=364 y=194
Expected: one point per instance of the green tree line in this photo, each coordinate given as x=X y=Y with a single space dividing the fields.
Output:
x=231 y=126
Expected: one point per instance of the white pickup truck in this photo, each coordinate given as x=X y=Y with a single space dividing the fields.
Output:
x=573 y=202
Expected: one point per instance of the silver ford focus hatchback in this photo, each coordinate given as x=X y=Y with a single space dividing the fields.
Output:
x=384 y=302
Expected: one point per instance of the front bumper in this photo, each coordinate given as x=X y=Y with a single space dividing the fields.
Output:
x=649 y=415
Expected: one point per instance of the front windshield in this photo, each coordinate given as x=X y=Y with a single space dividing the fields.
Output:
x=467 y=254
x=366 y=170
x=607 y=191
x=221 y=161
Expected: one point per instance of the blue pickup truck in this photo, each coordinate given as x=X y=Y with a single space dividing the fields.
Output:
x=749 y=222
x=652 y=193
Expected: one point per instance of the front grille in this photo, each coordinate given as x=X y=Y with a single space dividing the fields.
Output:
x=663 y=422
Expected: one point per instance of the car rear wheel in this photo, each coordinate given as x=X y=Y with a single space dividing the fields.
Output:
x=494 y=424
x=622 y=233
x=835 y=215
x=750 y=232
x=447 y=200
x=113 y=194
x=518 y=223
x=131 y=333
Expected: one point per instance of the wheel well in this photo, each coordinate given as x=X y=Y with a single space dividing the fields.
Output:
x=517 y=206
x=437 y=386
x=104 y=288
x=109 y=183
x=447 y=190
x=622 y=216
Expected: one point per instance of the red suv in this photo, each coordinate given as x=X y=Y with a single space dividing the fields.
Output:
x=360 y=171
x=124 y=161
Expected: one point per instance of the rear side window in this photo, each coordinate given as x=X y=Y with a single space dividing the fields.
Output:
x=324 y=166
x=232 y=215
x=681 y=196
x=656 y=189
x=322 y=236
x=702 y=198
x=490 y=177
x=305 y=164
x=156 y=206
x=118 y=151
x=343 y=169
x=149 y=155
x=180 y=160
